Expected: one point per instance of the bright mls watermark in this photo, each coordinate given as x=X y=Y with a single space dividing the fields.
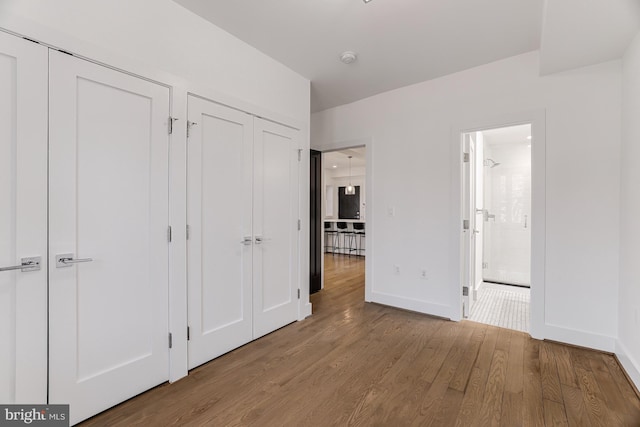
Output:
x=34 y=415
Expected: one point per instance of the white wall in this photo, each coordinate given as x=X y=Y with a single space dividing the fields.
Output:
x=163 y=34
x=411 y=131
x=629 y=303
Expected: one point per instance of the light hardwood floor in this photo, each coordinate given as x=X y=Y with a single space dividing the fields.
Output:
x=354 y=363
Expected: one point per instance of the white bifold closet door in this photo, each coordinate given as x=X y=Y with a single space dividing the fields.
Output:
x=220 y=164
x=23 y=221
x=108 y=250
x=242 y=213
x=275 y=226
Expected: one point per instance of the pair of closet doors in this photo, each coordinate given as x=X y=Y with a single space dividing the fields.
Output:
x=84 y=154
x=243 y=222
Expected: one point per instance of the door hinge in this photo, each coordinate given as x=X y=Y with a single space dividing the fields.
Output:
x=169 y=234
x=299 y=225
x=298 y=293
x=170 y=340
x=465 y=224
x=171 y=120
x=465 y=291
x=188 y=333
x=299 y=154
x=189 y=124
x=465 y=157
x=188 y=231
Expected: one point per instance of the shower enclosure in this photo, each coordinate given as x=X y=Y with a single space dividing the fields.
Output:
x=507 y=206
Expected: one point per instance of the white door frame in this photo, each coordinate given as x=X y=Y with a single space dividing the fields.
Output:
x=538 y=209
x=367 y=143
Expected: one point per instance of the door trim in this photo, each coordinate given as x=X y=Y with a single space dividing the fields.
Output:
x=537 y=119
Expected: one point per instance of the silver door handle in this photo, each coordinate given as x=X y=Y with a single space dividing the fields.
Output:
x=26 y=264
x=67 y=260
x=260 y=239
x=246 y=241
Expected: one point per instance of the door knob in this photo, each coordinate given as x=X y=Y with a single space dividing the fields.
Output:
x=26 y=264
x=67 y=260
x=246 y=241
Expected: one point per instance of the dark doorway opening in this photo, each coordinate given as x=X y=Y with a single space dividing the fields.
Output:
x=315 y=224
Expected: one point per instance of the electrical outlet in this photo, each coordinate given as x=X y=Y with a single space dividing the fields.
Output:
x=423 y=274
x=391 y=211
x=396 y=269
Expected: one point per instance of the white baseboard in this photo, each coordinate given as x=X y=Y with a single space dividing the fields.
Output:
x=305 y=311
x=630 y=365
x=580 y=338
x=412 y=304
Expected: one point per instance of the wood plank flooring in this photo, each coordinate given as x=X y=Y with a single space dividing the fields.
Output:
x=354 y=363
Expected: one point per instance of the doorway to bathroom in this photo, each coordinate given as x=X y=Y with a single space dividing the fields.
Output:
x=497 y=226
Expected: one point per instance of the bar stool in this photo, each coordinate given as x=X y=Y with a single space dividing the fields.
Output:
x=330 y=234
x=345 y=233
x=358 y=230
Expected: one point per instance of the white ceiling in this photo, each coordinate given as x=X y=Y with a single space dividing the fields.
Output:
x=577 y=33
x=507 y=135
x=401 y=42
x=339 y=160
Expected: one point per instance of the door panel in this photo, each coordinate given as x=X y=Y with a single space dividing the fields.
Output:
x=23 y=220
x=478 y=217
x=108 y=202
x=469 y=234
x=219 y=216
x=275 y=225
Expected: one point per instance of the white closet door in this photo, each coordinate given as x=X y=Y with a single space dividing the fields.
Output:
x=23 y=220
x=220 y=240
x=108 y=203
x=275 y=226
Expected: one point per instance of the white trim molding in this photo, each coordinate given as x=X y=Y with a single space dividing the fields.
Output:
x=629 y=364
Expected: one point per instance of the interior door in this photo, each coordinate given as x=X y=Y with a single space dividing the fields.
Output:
x=315 y=221
x=469 y=230
x=23 y=221
x=220 y=245
x=478 y=215
x=275 y=226
x=108 y=192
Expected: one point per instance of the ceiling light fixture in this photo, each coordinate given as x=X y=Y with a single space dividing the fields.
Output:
x=348 y=57
x=350 y=190
x=366 y=1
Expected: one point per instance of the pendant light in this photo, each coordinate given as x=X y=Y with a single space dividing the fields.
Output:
x=350 y=190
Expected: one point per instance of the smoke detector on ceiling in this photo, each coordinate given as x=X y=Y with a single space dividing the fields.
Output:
x=348 y=57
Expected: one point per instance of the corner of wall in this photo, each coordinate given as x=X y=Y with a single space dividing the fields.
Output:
x=630 y=365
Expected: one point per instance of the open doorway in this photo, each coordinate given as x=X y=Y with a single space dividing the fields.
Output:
x=343 y=217
x=497 y=226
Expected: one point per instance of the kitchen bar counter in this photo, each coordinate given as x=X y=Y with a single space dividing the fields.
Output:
x=339 y=240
